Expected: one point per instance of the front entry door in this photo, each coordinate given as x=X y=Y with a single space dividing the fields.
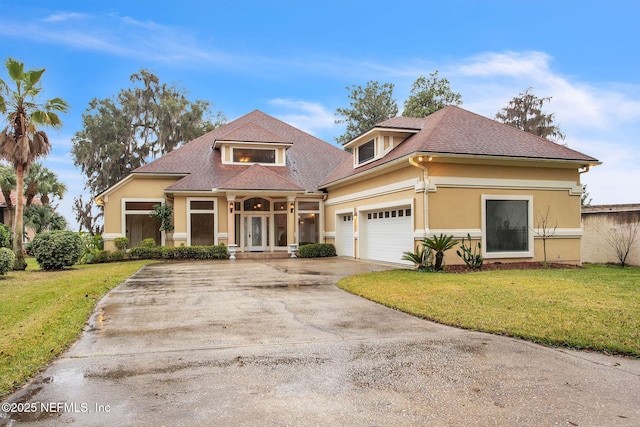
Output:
x=256 y=233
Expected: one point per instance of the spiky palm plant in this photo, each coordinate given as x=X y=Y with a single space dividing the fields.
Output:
x=439 y=244
x=421 y=257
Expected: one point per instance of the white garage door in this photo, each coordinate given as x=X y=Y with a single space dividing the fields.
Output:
x=388 y=234
x=344 y=227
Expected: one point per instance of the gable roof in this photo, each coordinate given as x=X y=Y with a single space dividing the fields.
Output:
x=309 y=159
x=258 y=177
x=453 y=131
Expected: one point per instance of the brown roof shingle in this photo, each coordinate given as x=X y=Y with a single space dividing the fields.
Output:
x=455 y=131
x=309 y=159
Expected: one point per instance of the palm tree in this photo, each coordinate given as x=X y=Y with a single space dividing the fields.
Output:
x=21 y=143
x=439 y=244
x=43 y=218
x=42 y=181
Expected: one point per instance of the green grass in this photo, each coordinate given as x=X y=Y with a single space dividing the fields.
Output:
x=595 y=308
x=42 y=313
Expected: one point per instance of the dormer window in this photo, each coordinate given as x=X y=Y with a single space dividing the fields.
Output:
x=366 y=152
x=254 y=155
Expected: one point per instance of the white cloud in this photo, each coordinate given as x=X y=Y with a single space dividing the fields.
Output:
x=310 y=117
x=511 y=64
x=64 y=16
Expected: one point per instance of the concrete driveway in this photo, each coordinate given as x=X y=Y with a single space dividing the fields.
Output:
x=276 y=343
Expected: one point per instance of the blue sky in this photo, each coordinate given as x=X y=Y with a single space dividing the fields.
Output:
x=294 y=59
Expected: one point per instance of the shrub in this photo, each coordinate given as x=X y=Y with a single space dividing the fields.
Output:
x=317 y=250
x=146 y=252
x=5 y=236
x=149 y=242
x=196 y=252
x=118 y=255
x=7 y=257
x=121 y=243
x=101 y=257
x=55 y=250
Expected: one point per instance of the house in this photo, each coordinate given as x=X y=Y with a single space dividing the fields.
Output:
x=607 y=227
x=7 y=213
x=259 y=184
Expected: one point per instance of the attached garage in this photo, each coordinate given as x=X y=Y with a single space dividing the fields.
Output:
x=385 y=234
x=344 y=235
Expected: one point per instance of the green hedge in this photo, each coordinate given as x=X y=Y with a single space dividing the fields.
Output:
x=196 y=252
x=317 y=250
x=180 y=252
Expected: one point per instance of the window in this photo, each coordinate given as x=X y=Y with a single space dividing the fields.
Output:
x=507 y=226
x=308 y=206
x=280 y=226
x=256 y=204
x=254 y=155
x=138 y=224
x=309 y=228
x=366 y=152
x=308 y=222
x=201 y=222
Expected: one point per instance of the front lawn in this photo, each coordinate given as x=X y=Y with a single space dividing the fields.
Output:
x=596 y=307
x=42 y=313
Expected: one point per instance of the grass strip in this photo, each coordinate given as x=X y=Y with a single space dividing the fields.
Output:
x=592 y=308
x=42 y=313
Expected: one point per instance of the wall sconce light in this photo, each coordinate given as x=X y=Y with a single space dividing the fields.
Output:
x=419 y=158
x=230 y=207
x=291 y=206
x=430 y=158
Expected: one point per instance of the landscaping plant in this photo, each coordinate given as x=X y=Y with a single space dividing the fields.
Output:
x=472 y=257
x=55 y=250
x=422 y=258
x=439 y=244
x=7 y=258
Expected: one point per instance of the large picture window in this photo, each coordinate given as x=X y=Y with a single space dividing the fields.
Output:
x=507 y=226
x=366 y=152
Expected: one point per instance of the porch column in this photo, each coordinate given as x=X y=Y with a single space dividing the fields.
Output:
x=231 y=220
x=291 y=220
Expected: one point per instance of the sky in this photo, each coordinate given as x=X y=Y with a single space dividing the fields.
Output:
x=295 y=60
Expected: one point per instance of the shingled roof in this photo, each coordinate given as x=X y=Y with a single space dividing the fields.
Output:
x=455 y=131
x=309 y=159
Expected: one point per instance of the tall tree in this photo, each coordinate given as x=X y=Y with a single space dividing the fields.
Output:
x=21 y=142
x=43 y=183
x=525 y=112
x=368 y=106
x=142 y=122
x=428 y=95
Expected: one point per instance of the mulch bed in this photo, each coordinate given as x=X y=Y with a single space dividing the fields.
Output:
x=508 y=266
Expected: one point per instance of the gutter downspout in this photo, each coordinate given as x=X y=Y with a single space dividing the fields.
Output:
x=425 y=200
x=586 y=169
